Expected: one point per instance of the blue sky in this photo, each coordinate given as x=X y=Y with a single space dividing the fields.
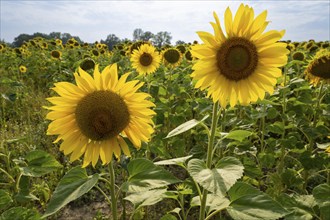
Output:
x=94 y=20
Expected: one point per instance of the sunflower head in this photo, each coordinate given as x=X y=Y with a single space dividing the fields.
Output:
x=241 y=64
x=44 y=45
x=313 y=48
x=94 y=117
x=2 y=47
x=146 y=59
x=87 y=64
x=22 y=69
x=325 y=45
x=188 y=55
x=172 y=57
x=298 y=55
x=318 y=69
x=58 y=42
x=181 y=48
x=135 y=46
x=33 y=43
x=95 y=53
x=56 y=54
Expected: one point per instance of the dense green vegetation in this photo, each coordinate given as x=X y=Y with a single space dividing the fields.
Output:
x=270 y=157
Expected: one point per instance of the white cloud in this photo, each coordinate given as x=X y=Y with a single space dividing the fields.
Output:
x=94 y=20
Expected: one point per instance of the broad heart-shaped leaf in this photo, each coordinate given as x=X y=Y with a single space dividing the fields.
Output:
x=174 y=161
x=321 y=194
x=73 y=185
x=238 y=135
x=146 y=198
x=213 y=202
x=299 y=206
x=145 y=175
x=5 y=199
x=219 y=179
x=185 y=127
x=39 y=163
x=249 y=203
x=20 y=213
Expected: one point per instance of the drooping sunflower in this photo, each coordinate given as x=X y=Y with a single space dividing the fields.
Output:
x=172 y=57
x=22 y=69
x=242 y=65
x=94 y=116
x=146 y=59
x=318 y=68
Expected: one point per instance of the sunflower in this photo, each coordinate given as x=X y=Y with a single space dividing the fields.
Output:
x=56 y=54
x=319 y=67
x=58 y=42
x=298 y=55
x=94 y=116
x=2 y=47
x=172 y=57
x=145 y=59
x=241 y=66
x=87 y=64
x=22 y=69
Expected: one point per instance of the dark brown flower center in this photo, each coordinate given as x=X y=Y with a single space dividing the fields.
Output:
x=145 y=59
x=321 y=68
x=237 y=58
x=102 y=115
x=172 y=56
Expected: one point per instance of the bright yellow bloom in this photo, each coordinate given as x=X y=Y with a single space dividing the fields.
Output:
x=318 y=68
x=22 y=69
x=94 y=116
x=146 y=59
x=242 y=65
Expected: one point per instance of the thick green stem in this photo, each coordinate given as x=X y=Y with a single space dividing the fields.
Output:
x=112 y=192
x=209 y=157
x=182 y=206
x=281 y=165
x=318 y=103
x=262 y=144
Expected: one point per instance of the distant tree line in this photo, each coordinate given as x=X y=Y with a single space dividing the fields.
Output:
x=159 y=39
x=20 y=39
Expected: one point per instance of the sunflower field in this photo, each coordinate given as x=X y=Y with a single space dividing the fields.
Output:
x=236 y=126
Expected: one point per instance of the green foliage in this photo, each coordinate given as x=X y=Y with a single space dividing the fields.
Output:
x=144 y=175
x=73 y=185
x=219 y=179
x=269 y=158
x=246 y=202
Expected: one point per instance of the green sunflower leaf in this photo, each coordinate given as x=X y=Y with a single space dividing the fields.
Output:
x=248 y=202
x=20 y=213
x=185 y=127
x=219 y=179
x=73 y=185
x=238 y=135
x=321 y=194
x=145 y=175
x=5 y=199
x=147 y=198
x=39 y=163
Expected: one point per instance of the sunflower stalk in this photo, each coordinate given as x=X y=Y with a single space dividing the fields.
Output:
x=319 y=100
x=209 y=156
x=112 y=191
x=262 y=144
x=281 y=164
